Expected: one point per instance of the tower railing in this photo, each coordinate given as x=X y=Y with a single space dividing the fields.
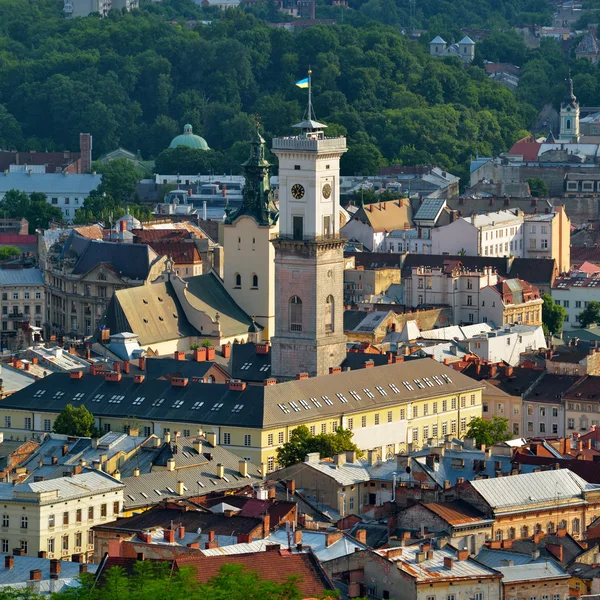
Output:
x=332 y=237
x=301 y=143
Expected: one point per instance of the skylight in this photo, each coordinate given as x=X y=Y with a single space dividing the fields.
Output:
x=368 y=392
x=381 y=390
x=295 y=406
x=177 y=404
x=409 y=387
x=305 y=404
x=446 y=378
x=438 y=380
x=237 y=408
x=139 y=400
x=217 y=406
x=197 y=405
x=158 y=402
x=419 y=384
x=39 y=393
x=316 y=402
x=427 y=381
x=342 y=398
x=355 y=395
x=284 y=408
x=327 y=401
x=394 y=388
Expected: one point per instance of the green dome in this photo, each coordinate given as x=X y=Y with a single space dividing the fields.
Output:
x=187 y=138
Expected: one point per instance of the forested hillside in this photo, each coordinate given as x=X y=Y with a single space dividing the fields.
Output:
x=134 y=80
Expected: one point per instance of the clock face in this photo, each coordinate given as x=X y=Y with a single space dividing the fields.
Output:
x=297 y=191
x=326 y=191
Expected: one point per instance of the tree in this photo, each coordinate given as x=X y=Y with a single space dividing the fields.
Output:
x=303 y=442
x=537 y=187
x=7 y=252
x=34 y=208
x=119 y=177
x=489 y=432
x=590 y=314
x=76 y=421
x=553 y=315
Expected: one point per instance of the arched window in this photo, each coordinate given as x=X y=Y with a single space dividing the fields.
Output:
x=511 y=533
x=568 y=123
x=524 y=532
x=538 y=528
x=329 y=314
x=575 y=526
x=255 y=281
x=295 y=314
x=499 y=535
x=550 y=528
x=562 y=524
x=238 y=280
x=210 y=379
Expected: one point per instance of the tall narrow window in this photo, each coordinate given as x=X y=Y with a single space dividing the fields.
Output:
x=255 y=281
x=238 y=280
x=295 y=314
x=329 y=314
x=298 y=227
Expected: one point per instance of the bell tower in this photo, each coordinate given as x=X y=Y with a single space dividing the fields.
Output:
x=309 y=254
x=569 y=116
x=249 y=267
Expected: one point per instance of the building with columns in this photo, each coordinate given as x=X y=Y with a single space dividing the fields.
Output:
x=309 y=254
x=249 y=268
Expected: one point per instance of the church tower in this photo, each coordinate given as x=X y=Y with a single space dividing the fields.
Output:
x=309 y=254
x=249 y=266
x=569 y=116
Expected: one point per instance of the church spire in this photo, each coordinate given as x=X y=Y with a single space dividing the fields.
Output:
x=258 y=199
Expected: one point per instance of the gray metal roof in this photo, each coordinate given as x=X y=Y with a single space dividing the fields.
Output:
x=50 y=183
x=531 y=489
x=437 y=40
x=21 y=277
x=84 y=484
x=533 y=571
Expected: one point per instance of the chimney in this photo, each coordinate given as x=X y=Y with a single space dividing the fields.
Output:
x=117 y=366
x=262 y=348
x=226 y=350
x=361 y=536
x=211 y=536
x=220 y=471
x=368 y=364
x=297 y=537
x=462 y=554
x=420 y=557
x=302 y=376
x=210 y=353
x=170 y=536
x=181 y=532
x=332 y=537
x=290 y=486
x=270 y=381
x=333 y=370
x=448 y=562
x=35 y=575
x=76 y=374
x=243 y=468
x=142 y=363
x=136 y=472
x=167 y=437
x=9 y=562
x=179 y=381
x=180 y=490
x=197 y=443
x=171 y=464
x=42 y=554
x=83 y=568
x=126 y=365
x=340 y=459
x=263 y=470
x=138 y=378
x=237 y=385
x=179 y=355
x=54 y=568
x=85 y=148
x=211 y=438
x=65 y=449
x=200 y=354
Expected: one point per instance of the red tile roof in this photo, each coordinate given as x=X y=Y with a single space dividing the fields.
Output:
x=147 y=236
x=13 y=239
x=274 y=565
x=180 y=252
x=527 y=148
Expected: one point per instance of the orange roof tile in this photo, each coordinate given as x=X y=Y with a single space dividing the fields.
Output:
x=456 y=513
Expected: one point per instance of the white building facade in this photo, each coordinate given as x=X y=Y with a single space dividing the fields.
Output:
x=574 y=292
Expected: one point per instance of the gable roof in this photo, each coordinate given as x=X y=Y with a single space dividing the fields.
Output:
x=457 y=512
x=527 y=490
x=248 y=365
x=384 y=216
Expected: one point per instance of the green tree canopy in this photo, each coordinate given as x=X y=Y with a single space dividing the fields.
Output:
x=119 y=177
x=34 y=208
x=553 y=315
x=7 y=252
x=538 y=187
x=302 y=442
x=75 y=421
x=590 y=314
x=489 y=432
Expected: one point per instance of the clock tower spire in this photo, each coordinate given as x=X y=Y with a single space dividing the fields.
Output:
x=309 y=253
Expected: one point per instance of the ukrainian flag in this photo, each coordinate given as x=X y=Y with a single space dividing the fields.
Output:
x=303 y=83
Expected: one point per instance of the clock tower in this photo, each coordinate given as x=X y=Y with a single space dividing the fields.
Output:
x=309 y=254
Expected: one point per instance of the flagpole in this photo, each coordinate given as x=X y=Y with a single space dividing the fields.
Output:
x=309 y=96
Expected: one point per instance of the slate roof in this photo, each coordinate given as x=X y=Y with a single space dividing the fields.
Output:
x=356 y=360
x=551 y=388
x=571 y=548
x=50 y=183
x=21 y=277
x=182 y=253
x=247 y=365
x=131 y=261
x=159 y=367
x=519 y=491
x=255 y=406
x=377 y=535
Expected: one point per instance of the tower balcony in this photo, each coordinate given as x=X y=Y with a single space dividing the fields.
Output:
x=302 y=143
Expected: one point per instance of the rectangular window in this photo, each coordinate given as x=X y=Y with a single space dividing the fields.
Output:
x=415 y=434
x=78 y=537
x=116 y=508
x=415 y=412
x=103 y=510
x=24 y=522
x=51 y=546
x=24 y=546
x=270 y=439
x=7 y=421
x=5 y=521
x=47 y=425
x=270 y=463
x=226 y=439
x=281 y=437
x=247 y=440
x=51 y=521
x=350 y=423
x=377 y=419
x=90 y=538
x=434 y=430
x=91 y=513
x=65 y=542
x=65 y=518
x=5 y=546
x=363 y=421
x=78 y=515
x=27 y=423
